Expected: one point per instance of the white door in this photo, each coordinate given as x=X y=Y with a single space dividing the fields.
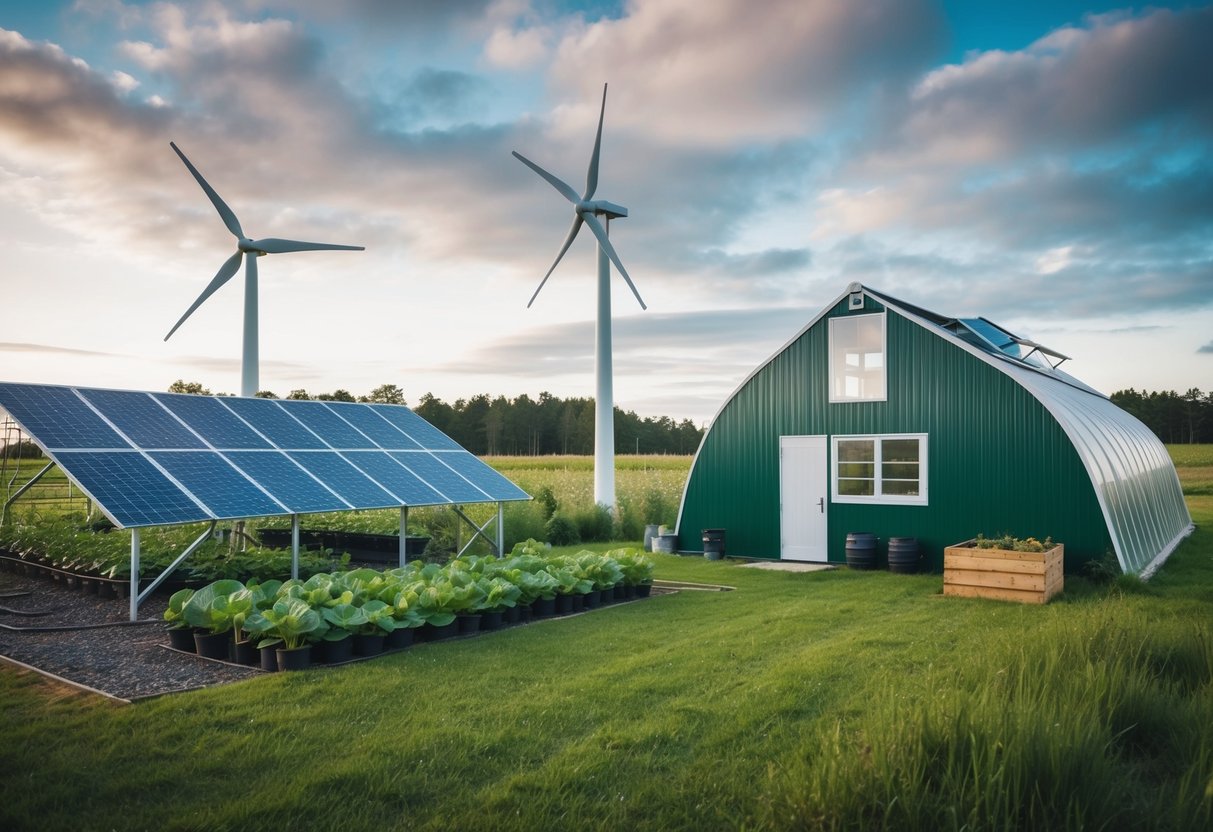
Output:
x=803 y=486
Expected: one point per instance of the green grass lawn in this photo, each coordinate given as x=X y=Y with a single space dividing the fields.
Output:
x=797 y=701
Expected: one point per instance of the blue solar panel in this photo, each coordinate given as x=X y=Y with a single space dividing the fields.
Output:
x=366 y=419
x=353 y=485
x=419 y=429
x=130 y=489
x=395 y=478
x=275 y=423
x=482 y=476
x=328 y=425
x=57 y=417
x=290 y=484
x=221 y=460
x=145 y=422
x=212 y=421
x=209 y=477
x=452 y=486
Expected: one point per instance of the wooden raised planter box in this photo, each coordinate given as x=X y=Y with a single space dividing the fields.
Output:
x=1027 y=577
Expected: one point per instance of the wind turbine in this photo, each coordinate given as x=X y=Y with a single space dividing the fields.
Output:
x=586 y=211
x=250 y=250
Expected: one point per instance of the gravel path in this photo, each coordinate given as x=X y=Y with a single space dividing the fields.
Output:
x=127 y=661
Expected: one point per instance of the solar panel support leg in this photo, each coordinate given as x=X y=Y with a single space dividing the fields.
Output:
x=294 y=547
x=181 y=557
x=501 y=530
x=404 y=533
x=135 y=574
x=22 y=490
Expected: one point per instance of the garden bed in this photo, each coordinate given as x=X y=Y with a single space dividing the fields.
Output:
x=85 y=639
x=1002 y=574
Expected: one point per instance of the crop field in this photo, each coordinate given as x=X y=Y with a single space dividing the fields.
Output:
x=825 y=700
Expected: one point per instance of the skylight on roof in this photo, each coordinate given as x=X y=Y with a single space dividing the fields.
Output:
x=992 y=338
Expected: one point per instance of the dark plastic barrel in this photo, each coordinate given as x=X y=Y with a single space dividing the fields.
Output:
x=713 y=544
x=903 y=555
x=861 y=550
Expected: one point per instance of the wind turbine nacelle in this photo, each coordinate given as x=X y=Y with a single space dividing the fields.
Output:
x=602 y=208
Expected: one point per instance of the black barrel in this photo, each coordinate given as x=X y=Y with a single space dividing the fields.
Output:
x=903 y=555
x=713 y=544
x=861 y=550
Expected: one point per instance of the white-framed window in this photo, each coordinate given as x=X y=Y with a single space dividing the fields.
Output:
x=890 y=468
x=857 y=353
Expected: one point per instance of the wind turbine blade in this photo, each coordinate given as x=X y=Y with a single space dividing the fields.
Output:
x=559 y=185
x=568 y=241
x=229 y=218
x=605 y=242
x=591 y=177
x=229 y=268
x=273 y=245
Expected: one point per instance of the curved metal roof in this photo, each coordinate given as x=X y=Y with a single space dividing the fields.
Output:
x=1130 y=469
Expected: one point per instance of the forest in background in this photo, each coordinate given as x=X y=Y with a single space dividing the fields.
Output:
x=1176 y=419
x=520 y=426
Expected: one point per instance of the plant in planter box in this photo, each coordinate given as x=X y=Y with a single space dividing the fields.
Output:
x=636 y=567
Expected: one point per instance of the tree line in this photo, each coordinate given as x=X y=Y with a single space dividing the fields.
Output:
x=521 y=426
x=1177 y=419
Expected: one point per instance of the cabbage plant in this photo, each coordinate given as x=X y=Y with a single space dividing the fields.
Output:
x=174 y=612
x=201 y=610
x=290 y=621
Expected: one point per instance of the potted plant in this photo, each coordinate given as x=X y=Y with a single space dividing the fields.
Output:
x=337 y=643
x=207 y=610
x=286 y=627
x=180 y=636
x=370 y=634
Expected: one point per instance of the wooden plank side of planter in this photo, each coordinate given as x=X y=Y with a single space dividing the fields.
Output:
x=1027 y=577
x=995 y=593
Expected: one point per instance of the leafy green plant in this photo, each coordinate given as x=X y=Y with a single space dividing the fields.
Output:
x=208 y=608
x=1013 y=544
x=344 y=621
x=174 y=613
x=290 y=621
x=380 y=618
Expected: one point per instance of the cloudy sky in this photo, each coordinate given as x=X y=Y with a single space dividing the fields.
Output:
x=1045 y=164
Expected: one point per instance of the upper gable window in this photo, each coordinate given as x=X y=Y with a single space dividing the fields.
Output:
x=857 y=365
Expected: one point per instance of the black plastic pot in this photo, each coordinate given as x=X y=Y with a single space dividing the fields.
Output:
x=181 y=638
x=341 y=650
x=491 y=620
x=468 y=624
x=212 y=645
x=369 y=644
x=399 y=638
x=299 y=658
x=269 y=659
x=643 y=590
x=543 y=606
x=445 y=631
x=245 y=652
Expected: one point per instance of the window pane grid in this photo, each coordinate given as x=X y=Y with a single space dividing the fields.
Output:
x=880 y=469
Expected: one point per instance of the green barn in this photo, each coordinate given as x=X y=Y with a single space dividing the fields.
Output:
x=886 y=418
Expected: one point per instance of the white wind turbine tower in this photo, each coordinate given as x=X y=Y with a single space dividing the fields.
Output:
x=250 y=250
x=586 y=211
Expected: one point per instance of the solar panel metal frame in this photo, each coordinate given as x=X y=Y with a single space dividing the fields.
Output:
x=135 y=486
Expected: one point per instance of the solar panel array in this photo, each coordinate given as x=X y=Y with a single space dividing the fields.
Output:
x=154 y=459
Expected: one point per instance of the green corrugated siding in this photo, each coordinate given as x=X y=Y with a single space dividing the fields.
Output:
x=997 y=460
